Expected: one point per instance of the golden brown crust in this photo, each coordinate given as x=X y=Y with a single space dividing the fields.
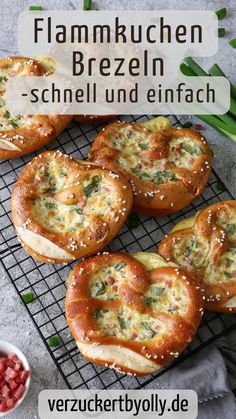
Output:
x=92 y=119
x=149 y=197
x=19 y=141
x=150 y=354
x=214 y=231
x=48 y=244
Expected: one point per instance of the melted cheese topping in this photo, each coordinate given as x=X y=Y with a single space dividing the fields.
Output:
x=95 y=191
x=104 y=284
x=167 y=296
x=183 y=152
x=224 y=271
x=190 y=252
x=129 y=324
x=132 y=145
x=8 y=121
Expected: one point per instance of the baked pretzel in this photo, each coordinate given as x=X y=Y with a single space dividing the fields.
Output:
x=133 y=314
x=64 y=209
x=167 y=169
x=23 y=134
x=205 y=245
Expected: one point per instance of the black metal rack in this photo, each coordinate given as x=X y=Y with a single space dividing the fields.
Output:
x=48 y=281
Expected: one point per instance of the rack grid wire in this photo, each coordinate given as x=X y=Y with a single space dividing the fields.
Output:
x=48 y=282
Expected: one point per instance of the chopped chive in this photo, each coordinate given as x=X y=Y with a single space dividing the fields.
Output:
x=122 y=322
x=53 y=341
x=230 y=229
x=87 y=4
x=187 y=124
x=158 y=291
x=228 y=274
x=232 y=42
x=221 y=13
x=119 y=265
x=133 y=221
x=28 y=297
x=221 y=32
x=219 y=186
x=34 y=8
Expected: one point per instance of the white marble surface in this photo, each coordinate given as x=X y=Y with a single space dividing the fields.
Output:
x=15 y=324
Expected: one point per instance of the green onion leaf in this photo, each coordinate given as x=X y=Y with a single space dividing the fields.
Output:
x=149 y=331
x=230 y=229
x=87 y=4
x=228 y=274
x=92 y=187
x=148 y=301
x=221 y=32
x=232 y=42
x=158 y=291
x=119 y=266
x=122 y=323
x=28 y=297
x=187 y=124
x=187 y=252
x=221 y=13
x=34 y=8
x=53 y=341
x=133 y=221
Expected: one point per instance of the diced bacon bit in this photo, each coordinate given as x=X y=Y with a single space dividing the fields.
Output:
x=134 y=336
x=234 y=273
x=37 y=180
x=110 y=280
x=13 y=378
x=189 y=261
x=168 y=283
x=163 y=165
x=198 y=126
x=174 y=308
x=82 y=204
x=115 y=288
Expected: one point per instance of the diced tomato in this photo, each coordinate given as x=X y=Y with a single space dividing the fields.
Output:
x=13 y=384
x=198 y=126
x=110 y=280
x=17 y=366
x=13 y=377
x=10 y=403
x=3 y=407
x=82 y=204
x=23 y=376
x=10 y=373
x=5 y=391
x=168 y=283
x=115 y=288
x=18 y=393
x=234 y=273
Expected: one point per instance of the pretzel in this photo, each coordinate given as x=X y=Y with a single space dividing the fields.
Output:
x=133 y=314
x=205 y=245
x=65 y=209
x=22 y=134
x=167 y=169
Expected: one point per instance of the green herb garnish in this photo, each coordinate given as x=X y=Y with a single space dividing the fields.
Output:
x=228 y=274
x=28 y=297
x=221 y=32
x=92 y=187
x=78 y=210
x=158 y=178
x=221 y=13
x=187 y=252
x=87 y=4
x=133 y=221
x=100 y=288
x=187 y=124
x=50 y=205
x=7 y=114
x=53 y=341
x=230 y=229
x=149 y=301
x=98 y=314
x=119 y=266
x=192 y=150
x=158 y=291
x=143 y=146
x=122 y=322
x=232 y=42
x=35 y=8
x=149 y=331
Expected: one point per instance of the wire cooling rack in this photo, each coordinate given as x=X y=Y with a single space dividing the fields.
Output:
x=47 y=282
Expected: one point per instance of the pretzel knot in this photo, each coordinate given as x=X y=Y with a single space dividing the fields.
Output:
x=130 y=319
x=207 y=249
x=22 y=134
x=167 y=169
x=65 y=209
